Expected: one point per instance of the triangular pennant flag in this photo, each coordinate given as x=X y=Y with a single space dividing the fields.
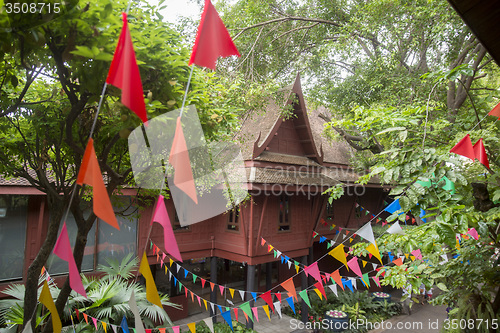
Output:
x=124 y=325
x=46 y=299
x=206 y=305
x=203 y=281
x=151 y=291
x=373 y=249
x=255 y=312
x=221 y=288
x=278 y=296
x=62 y=249
x=176 y=329
x=124 y=74
x=231 y=291
x=495 y=111
x=396 y=229
x=339 y=254
x=366 y=280
x=393 y=207
x=297 y=268
x=353 y=282
x=417 y=254
x=268 y=298
x=364 y=262
x=289 y=286
x=245 y=307
x=199 y=300
x=90 y=174
x=320 y=288
x=374 y=266
x=277 y=306
x=212 y=306
x=464 y=148
x=194 y=277
x=209 y=323
x=254 y=295
x=192 y=296
x=366 y=232
x=335 y=276
x=348 y=284
x=398 y=262
x=322 y=239
x=86 y=318
x=480 y=153
x=161 y=216
x=242 y=294
x=289 y=264
x=266 y=310
x=305 y=297
x=227 y=317
x=313 y=270
x=212 y=40
x=104 y=325
x=94 y=320
x=115 y=329
x=376 y=279
x=192 y=327
x=353 y=264
x=235 y=310
x=212 y=285
x=27 y=328
x=289 y=300
x=179 y=159
x=262 y=241
x=473 y=233
x=333 y=288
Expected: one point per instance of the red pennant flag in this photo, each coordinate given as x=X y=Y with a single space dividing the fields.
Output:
x=464 y=148
x=268 y=298
x=319 y=286
x=179 y=159
x=212 y=40
x=90 y=174
x=124 y=74
x=62 y=249
x=480 y=153
x=495 y=111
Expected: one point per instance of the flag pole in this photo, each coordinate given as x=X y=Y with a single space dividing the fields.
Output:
x=186 y=92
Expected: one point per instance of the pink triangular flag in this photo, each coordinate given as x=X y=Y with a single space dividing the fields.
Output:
x=62 y=249
x=95 y=321
x=417 y=254
x=221 y=288
x=354 y=266
x=376 y=279
x=161 y=216
x=473 y=233
x=314 y=271
x=255 y=313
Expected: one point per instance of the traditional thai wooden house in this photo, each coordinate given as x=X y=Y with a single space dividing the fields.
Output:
x=289 y=164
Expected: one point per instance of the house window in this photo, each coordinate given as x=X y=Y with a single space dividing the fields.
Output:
x=329 y=211
x=104 y=242
x=233 y=219
x=284 y=213
x=13 y=220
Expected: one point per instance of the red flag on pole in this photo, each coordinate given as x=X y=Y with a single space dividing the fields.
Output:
x=179 y=159
x=464 y=148
x=124 y=74
x=495 y=111
x=90 y=174
x=480 y=153
x=212 y=40
x=62 y=249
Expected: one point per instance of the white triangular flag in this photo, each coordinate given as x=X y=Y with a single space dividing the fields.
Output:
x=396 y=229
x=354 y=283
x=115 y=328
x=242 y=294
x=445 y=259
x=230 y=302
x=277 y=306
x=212 y=306
x=278 y=254
x=139 y=327
x=27 y=328
x=209 y=323
x=169 y=275
x=289 y=264
x=374 y=266
x=343 y=236
x=178 y=267
x=367 y=233
x=333 y=287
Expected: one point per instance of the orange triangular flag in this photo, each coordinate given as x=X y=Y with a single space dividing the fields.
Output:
x=398 y=262
x=336 y=277
x=179 y=159
x=289 y=286
x=90 y=174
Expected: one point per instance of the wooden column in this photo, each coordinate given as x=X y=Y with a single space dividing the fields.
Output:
x=213 y=293
x=250 y=287
x=303 y=285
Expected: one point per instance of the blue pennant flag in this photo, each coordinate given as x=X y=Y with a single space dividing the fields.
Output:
x=287 y=258
x=124 y=325
x=254 y=295
x=227 y=317
x=185 y=273
x=393 y=207
x=322 y=239
x=220 y=308
x=282 y=259
x=290 y=302
x=175 y=281
x=347 y=283
x=422 y=213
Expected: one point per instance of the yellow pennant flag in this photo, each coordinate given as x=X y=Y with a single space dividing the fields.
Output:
x=350 y=240
x=104 y=326
x=192 y=327
x=373 y=249
x=297 y=268
x=266 y=310
x=151 y=291
x=339 y=254
x=364 y=263
x=412 y=258
x=46 y=299
x=231 y=291
x=319 y=293
x=406 y=255
x=206 y=307
x=170 y=262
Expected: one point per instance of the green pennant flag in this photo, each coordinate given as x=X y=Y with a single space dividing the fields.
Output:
x=328 y=245
x=246 y=308
x=150 y=245
x=194 y=277
x=180 y=286
x=305 y=297
x=366 y=280
x=275 y=254
x=296 y=263
x=448 y=186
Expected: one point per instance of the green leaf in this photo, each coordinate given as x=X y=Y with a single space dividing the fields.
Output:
x=83 y=51
x=392 y=129
x=442 y=286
